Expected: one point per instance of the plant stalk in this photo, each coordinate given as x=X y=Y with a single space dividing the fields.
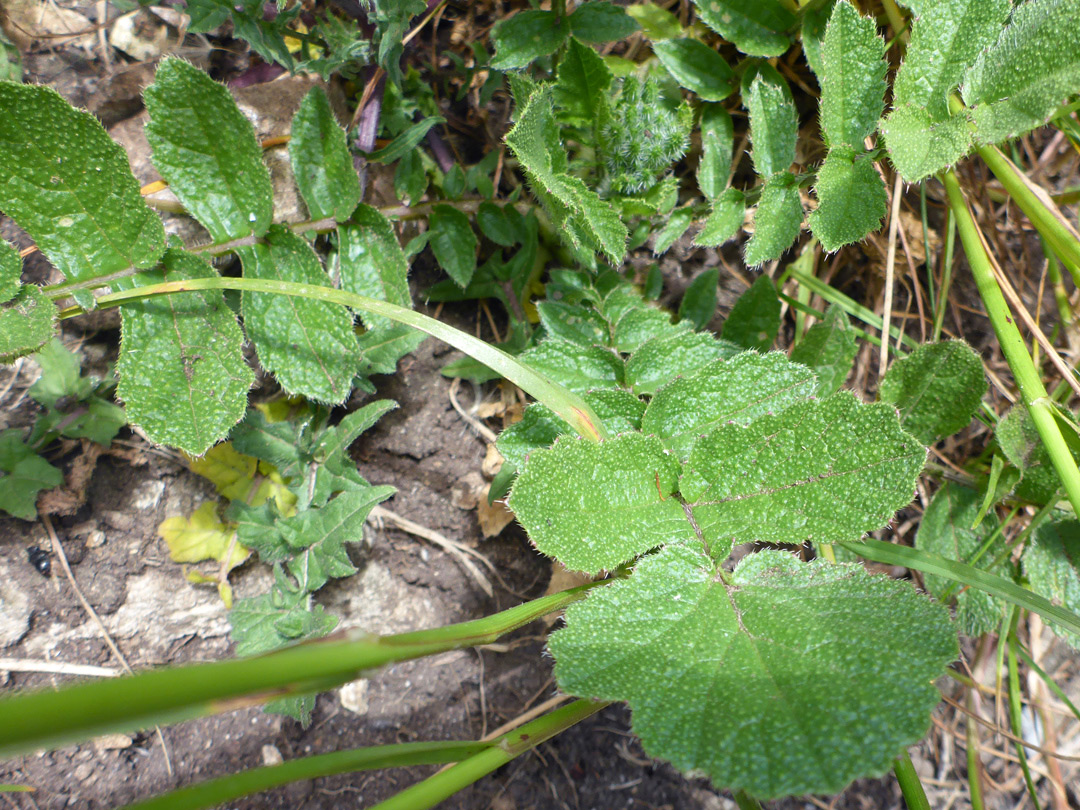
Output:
x=910 y=784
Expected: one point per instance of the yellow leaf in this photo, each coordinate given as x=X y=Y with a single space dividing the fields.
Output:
x=234 y=475
x=201 y=537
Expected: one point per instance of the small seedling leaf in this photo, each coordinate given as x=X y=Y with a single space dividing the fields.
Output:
x=851 y=199
x=729 y=211
x=1019 y=440
x=755 y=666
x=754 y=321
x=739 y=390
x=453 y=243
x=69 y=186
x=308 y=345
x=852 y=77
x=697 y=67
x=322 y=165
x=946 y=530
x=206 y=149
x=601 y=22
x=595 y=505
x=777 y=220
x=774 y=124
x=717 y=144
x=25 y=474
x=526 y=37
x=372 y=262
x=182 y=373
x=757 y=27
x=829 y=348
x=937 y=389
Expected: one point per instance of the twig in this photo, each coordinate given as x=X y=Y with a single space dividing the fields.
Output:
x=56 y=668
x=487 y=433
x=890 y=258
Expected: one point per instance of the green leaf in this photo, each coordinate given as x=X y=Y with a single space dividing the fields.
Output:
x=279 y=617
x=946 y=530
x=27 y=322
x=182 y=373
x=25 y=475
x=410 y=178
x=283 y=444
x=1050 y=564
x=739 y=390
x=525 y=37
x=697 y=67
x=601 y=22
x=619 y=411
x=757 y=27
x=10 y=271
x=1019 y=440
x=453 y=243
x=68 y=184
x=60 y=376
x=573 y=322
x=206 y=150
x=774 y=124
x=946 y=36
x=677 y=224
x=583 y=80
x=717 y=143
x=699 y=302
x=766 y=675
x=322 y=165
x=405 y=142
x=372 y=262
x=937 y=389
x=822 y=471
x=657 y=23
x=754 y=321
x=829 y=349
x=595 y=505
x=729 y=211
x=814 y=23
x=852 y=77
x=380 y=349
x=578 y=212
x=319 y=535
x=851 y=198
x=1017 y=82
x=777 y=220
x=495 y=224
x=920 y=146
x=578 y=368
x=660 y=360
x=308 y=345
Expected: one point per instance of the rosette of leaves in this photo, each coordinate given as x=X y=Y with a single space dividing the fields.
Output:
x=641 y=136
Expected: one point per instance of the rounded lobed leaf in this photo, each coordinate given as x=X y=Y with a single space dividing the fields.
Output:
x=780 y=678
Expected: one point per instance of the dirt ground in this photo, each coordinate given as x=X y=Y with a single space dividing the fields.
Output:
x=433 y=457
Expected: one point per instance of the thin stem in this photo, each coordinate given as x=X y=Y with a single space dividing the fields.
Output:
x=566 y=404
x=1032 y=391
x=946 y=274
x=446 y=783
x=910 y=784
x=1015 y=714
x=745 y=801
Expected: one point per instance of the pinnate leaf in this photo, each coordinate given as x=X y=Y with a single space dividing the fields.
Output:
x=308 y=345
x=761 y=678
x=777 y=220
x=69 y=185
x=1017 y=82
x=947 y=529
x=322 y=165
x=937 y=389
x=851 y=199
x=372 y=262
x=822 y=471
x=1051 y=564
x=852 y=77
x=754 y=321
x=697 y=67
x=525 y=37
x=757 y=27
x=182 y=373
x=206 y=149
x=738 y=390
x=829 y=348
x=595 y=505
x=281 y=616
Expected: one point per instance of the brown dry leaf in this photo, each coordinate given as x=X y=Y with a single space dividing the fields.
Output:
x=493 y=517
x=492 y=462
x=562 y=579
x=30 y=21
x=67 y=499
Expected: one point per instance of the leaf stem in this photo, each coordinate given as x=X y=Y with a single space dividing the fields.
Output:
x=444 y=784
x=1032 y=391
x=910 y=784
x=566 y=404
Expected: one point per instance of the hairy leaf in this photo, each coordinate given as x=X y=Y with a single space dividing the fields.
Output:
x=777 y=220
x=525 y=37
x=27 y=322
x=946 y=36
x=851 y=199
x=1017 y=82
x=754 y=321
x=717 y=143
x=815 y=21
x=308 y=345
x=726 y=218
x=10 y=271
x=697 y=67
x=1020 y=441
x=947 y=530
x=739 y=390
x=69 y=186
x=380 y=349
x=829 y=349
x=677 y=224
x=583 y=81
x=821 y=471
x=322 y=165
x=1051 y=564
x=852 y=77
x=774 y=124
x=937 y=389
x=579 y=368
x=372 y=262
x=282 y=616
x=761 y=678
x=601 y=22
x=757 y=27
x=594 y=505
x=660 y=360
x=699 y=302
x=182 y=373
x=920 y=146
x=206 y=149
